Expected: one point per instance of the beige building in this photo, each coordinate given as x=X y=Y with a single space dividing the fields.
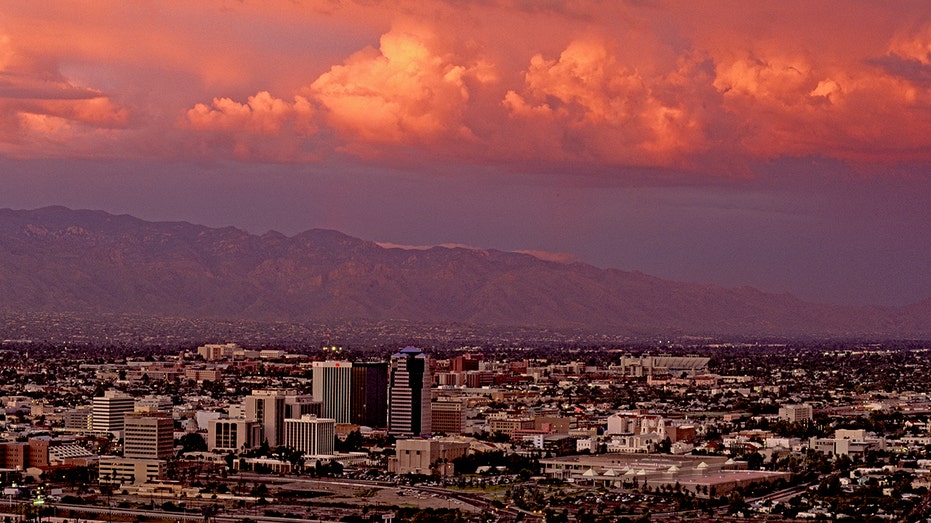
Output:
x=424 y=456
x=109 y=409
x=148 y=436
x=795 y=413
x=116 y=470
x=79 y=419
x=268 y=407
x=217 y=352
x=233 y=435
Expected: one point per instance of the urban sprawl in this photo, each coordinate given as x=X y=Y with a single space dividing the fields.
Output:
x=747 y=432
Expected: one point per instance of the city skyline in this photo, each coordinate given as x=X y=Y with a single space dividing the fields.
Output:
x=781 y=147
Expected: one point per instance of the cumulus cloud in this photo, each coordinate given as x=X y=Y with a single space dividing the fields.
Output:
x=262 y=114
x=585 y=85
x=404 y=92
x=264 y=128
x=621 y=114
x=915 y=45
x=765 y=80
x=491 y=82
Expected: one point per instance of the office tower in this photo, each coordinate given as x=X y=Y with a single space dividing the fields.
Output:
x=369 y=397
x=409 y=393
x=311 y=435
x=148 y=436
x=108 y=410
x=331 y=386
x=447 y=417
x=296 y=405
x=81 y=418
x=233 y=435
x=267 y=407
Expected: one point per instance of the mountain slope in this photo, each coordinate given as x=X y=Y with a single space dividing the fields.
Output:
x=56 y=259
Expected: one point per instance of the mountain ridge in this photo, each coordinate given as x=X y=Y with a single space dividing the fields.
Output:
x=56 y=259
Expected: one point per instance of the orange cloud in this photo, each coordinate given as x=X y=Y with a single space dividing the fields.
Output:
x=497 y=82
x=586 y=85
x=620 y=114
x=913 y=45
x=262 y=114
x=774 y=80
x=264 y=128
x=404 y=92
x=40 y=109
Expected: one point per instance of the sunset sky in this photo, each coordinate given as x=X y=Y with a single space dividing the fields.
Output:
x=781 y=145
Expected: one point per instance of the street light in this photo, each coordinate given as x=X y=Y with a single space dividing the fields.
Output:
x=38 y=503
x=13 y=489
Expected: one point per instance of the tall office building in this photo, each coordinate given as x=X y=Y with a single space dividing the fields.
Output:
x=108 y=410
x=267 y=407
x=332 y=386
x=148 y=436
x=409 y=393
x=369 y=397
x=311 y=435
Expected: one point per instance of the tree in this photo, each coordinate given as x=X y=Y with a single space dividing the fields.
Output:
x=353 y=442
x=192 y=442
x=755 y=461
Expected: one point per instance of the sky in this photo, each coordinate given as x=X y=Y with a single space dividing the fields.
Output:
x=780 y=145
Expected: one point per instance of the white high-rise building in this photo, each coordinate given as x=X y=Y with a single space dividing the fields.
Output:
x=108 y=410
x=332 y=386
x=311 y=435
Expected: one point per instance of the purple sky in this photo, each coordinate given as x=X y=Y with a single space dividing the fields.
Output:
x=785 y=147
x=806 y=229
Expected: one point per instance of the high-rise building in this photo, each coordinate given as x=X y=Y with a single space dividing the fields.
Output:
x=148 y=436
x=332 y=386
x=267 y=407
x=311 y=435
x=369 y=396
x=409 y=393
x=109 y=409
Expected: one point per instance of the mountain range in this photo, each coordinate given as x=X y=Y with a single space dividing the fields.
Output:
x=60 y=260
